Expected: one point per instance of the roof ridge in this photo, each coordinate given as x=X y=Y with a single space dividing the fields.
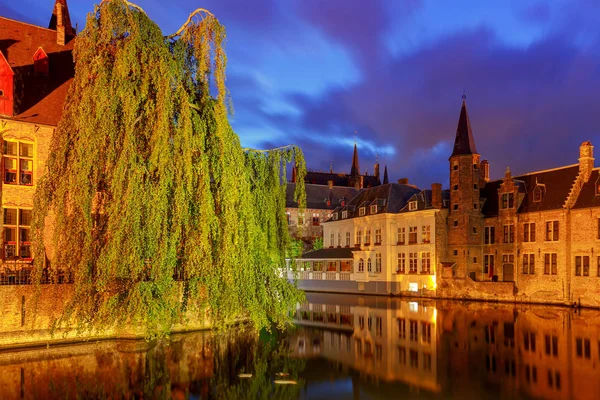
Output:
x=27 y=23
x=516 y=177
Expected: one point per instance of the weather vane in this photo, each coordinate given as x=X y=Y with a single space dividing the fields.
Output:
x=464 y=95
x=355 y=135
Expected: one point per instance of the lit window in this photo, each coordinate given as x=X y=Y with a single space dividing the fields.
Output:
x=402 y=234
x=373 y=209
x=425 y=233
x=18 y=163
x=377 y=262
x=552 y=231
x=361 y=211
x=17 y=235
x=315 y=219
x=412 y=205
x=344 y=214
x=378 y=236
x=347 y=239
x=401 y=267
x=508 y=200
x=426 y=262
x=412 y=235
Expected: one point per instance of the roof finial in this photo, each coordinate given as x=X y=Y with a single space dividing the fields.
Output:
x=377 y=158
x=464 y=95
x=355 y=136
x=331 y=167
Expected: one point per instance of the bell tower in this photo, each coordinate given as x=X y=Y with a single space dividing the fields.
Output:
x=61 y=22
x=465 y=221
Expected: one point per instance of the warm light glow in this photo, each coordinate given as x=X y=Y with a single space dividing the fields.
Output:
x=434 y=281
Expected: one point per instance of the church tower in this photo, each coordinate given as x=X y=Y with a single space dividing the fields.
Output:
x=355 y=179
x=61 y=22
x=465 y=221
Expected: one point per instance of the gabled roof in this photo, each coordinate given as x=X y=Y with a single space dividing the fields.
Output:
x=464 y=143
x=588 y=197
x=38 y=99
x=392 y=197
x=423 y=199
x=317 y=195
x=558 y=182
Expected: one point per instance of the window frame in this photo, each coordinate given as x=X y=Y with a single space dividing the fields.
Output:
x=18 y=158
x=18 y=228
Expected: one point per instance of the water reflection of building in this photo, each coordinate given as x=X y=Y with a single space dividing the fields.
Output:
x=463 y=350
x=386 y=339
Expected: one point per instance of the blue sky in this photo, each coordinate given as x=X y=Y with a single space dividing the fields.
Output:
x=312 y=72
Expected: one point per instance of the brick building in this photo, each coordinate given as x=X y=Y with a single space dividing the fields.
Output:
x=36 y=69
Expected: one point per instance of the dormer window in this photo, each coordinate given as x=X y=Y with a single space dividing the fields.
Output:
x=334 y=216
x=40 y=63
x=344 y=214
x=373 y=209
x=537 y=194
x=362 y=211
x=598 y=186
x=412 y=206
x=508 y=200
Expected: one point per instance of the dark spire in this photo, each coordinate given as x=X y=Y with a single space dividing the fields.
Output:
x=385 y=176
x=464 y=143
x=355 y=170
x=60 y=7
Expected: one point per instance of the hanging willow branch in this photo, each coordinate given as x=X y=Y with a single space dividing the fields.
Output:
x=189 y=21
x=149 y=201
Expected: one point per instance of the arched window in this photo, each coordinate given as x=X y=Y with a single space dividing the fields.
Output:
x=369 y=269
x=361 y=265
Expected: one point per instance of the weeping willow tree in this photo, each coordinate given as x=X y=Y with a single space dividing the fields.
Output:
x=156 y=210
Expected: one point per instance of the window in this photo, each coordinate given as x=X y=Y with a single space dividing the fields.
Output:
x=426 y=361
x=455 y=223
x=361 y=265
x=300 y=219
x=455 y=187
x=18 y=163
x=455 y=207
x=508 y=200
x=401 y=328
x=529 y=341
x=474 y=206
x=508 y=258
x=455 y=252
x=489 y=235
x=347 y=239
x=474 y=186
x=426 y=262
x=401 y=355
x=537 y=194
x=412 y=205
x=369 y=268
x=488 y=264
x=414 y=330
x=331 y=239
x=528 y=264
x=316 y=221
x=474 y=230
x=550 y=267
x=334 y=216
x=582 y=265
x=425 y=233
x=17 y=235
x=551 y=345
x=509 y=233
x=583 y=348
x=401 y=268
x=426 y=332
x=373 y=209
x=358 y=237
x=414 y=359
x=289 y=218
x=344 y=214
x=401 y=235
x=412 y=235
x=378 y=326
x=529 y=232
x=367 y=237
x=551 y=231
x=378 y=236
x=362 y=211
x=339 y=239
x=455 y=167
x=475 y=166
x=378 y=262
x=412 y=258
x=598 y=265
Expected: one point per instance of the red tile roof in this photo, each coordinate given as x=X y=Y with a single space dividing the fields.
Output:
x=38 y=99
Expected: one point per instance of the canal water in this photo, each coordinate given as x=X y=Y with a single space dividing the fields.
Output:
x=341 y=347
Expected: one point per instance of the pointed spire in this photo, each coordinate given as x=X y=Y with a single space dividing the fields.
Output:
x=355 y=170
x=464 y=143
x=60 y=18
x=385 y=176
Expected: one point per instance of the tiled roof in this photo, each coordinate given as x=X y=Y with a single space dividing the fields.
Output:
x=392 y=196
x=587 y=196
x=38 y=99
x=423 y=199
x=317 y=195
x=336 y=252
x=557 y=182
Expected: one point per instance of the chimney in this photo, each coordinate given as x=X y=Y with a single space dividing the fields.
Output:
x=484 y=168
x=61 y=35
x=436 y=195
x=362 y=182
x=586 y=160
x=376 y=169
x=330 y=184
x=403 y=181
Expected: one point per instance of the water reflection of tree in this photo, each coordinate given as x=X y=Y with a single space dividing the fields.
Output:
x=265 y=357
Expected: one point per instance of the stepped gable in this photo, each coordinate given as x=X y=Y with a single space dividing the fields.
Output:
x=556 y=184
x=590 y=192
x=317 y=195
x=37 y=98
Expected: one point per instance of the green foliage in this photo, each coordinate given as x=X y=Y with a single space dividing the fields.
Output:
x=158 y=211
x=318 y=243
